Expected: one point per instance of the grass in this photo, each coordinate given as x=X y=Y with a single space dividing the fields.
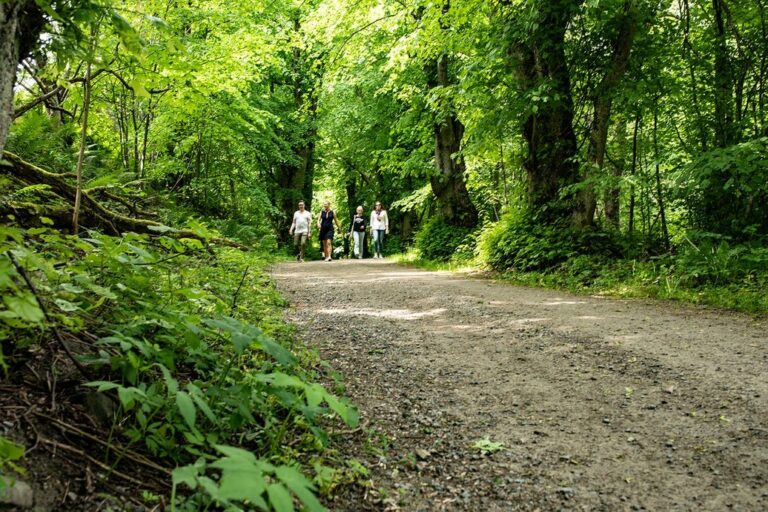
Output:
x=616 y=278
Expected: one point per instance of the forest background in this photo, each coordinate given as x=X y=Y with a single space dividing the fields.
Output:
x=612 y=146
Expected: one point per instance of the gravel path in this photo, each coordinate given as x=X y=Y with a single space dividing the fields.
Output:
x=600 y=404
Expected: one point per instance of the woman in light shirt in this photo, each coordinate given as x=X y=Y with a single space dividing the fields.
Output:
x=379 y=228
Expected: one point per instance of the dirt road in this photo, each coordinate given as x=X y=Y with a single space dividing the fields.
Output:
x=600 y=404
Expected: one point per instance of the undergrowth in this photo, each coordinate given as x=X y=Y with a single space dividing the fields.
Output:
x=703 y=268
x=185 y=344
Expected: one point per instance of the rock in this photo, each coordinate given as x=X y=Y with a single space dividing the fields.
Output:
x=16 y=493
x=566 y=492
x=422 y=453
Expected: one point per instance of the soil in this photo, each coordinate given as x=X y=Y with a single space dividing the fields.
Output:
x=600 y=404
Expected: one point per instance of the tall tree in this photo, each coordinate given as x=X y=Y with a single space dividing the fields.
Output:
x=602 y=102
x=542 y=71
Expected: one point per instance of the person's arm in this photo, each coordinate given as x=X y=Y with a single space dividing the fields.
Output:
x=293 y=225
x=319 y=220
x=309 y=224
x=336 y=221
x=386 y=222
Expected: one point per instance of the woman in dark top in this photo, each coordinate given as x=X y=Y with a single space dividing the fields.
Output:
x=357 y=231
x=325 y=222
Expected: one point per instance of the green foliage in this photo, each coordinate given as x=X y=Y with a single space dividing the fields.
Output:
x=189 y=374
x=488 y=447
x=437 y=240
x=726 y=190
x=520 y=242
x=10 y=454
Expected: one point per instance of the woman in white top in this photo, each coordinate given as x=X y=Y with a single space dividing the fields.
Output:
x=379 y=227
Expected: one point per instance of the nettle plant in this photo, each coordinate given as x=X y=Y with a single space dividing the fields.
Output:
x=219 y=397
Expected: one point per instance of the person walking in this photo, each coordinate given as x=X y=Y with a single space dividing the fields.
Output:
x=300 y=230
x=379 y=227
x=357 y=231
x=325 y=223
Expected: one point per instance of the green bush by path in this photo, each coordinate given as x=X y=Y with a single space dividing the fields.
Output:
x=439 y=241
x=187 y=342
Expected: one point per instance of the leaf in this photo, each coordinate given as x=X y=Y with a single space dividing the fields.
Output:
x=170 y=383
x=280 y=380
x=300 y=486
x=102 y=385
x=274 y=349
x=279 y=498
x=25 y=306
x=186 y=408
x=10 y=451
x=185 y=475
x=347 y=412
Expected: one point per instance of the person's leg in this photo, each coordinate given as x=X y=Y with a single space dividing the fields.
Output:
x=362 y=244
x=375 y=243
x=302 y=246
x=382 y=235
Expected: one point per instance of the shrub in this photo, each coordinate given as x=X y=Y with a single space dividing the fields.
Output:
x=521 y=242
x=437 y=240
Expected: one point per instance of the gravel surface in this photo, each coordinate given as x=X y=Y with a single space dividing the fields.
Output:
x=600 y=404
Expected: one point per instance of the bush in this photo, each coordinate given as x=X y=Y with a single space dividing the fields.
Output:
x=437 y=240
x=520 y=242
x=710 y=259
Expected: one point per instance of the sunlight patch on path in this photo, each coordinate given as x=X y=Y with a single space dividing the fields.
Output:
x=394 y=314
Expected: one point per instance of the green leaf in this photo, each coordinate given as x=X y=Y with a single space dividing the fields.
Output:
x=25 y=306
x=186 y=408
x=280 y=498
x=300 y=486
x=185 y=475
x=346 y=412
x=10 y=451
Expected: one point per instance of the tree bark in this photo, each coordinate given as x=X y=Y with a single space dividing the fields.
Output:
x=448 y=184
x=20 y=24
x=548 y=129
x=723 y=86
x=602 y=101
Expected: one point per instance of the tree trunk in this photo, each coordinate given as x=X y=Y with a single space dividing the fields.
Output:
x=20 y=24
x=84 y=129
x=448 y=183
x=548 y=130
x=724 y=125
x=602 y=101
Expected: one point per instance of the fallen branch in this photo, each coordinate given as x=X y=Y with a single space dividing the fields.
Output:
x=121 y=451
x=116 y=223
x=105 y=467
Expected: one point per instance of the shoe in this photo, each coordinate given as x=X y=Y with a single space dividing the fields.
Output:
x=302 y=260
x=298 y=257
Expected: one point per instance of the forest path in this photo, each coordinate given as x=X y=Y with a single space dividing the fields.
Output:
x=602 y=404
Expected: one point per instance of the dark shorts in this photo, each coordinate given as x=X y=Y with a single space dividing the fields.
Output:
x=326 y=234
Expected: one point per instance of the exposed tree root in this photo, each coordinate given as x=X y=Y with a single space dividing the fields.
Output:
x=93 y=214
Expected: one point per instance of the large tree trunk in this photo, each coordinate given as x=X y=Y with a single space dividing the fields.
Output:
x=20 y=25
x=448 y=184
x=548 y=130
x=602 y=101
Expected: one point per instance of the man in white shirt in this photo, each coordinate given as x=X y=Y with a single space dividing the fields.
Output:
x=300 y=229
x=379 y=227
